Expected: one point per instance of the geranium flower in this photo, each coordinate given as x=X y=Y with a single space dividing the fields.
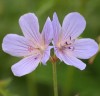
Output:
x=33 y=46
x=67 y=46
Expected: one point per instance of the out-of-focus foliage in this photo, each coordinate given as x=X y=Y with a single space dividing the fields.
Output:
x=71 y=81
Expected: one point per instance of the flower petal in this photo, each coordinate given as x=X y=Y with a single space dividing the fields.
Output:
x=70 y=60
x=47 y=31
x=15 y=45
x=85 y=48
x=25 y=66
x=30 y=27
x=73 y=25
x=56 y=28
x=46 y=55
x=58 y=53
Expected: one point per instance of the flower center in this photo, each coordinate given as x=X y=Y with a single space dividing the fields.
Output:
x=35 y=51
x=67 y=45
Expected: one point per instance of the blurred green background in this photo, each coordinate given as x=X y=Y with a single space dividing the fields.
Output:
x=71 y=81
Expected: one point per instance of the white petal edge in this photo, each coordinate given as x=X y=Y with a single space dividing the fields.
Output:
x=15 y=45
x=56 y=28
x=25 y=66
x=73 y=25
x=85 y=48
x=47 y=32
x=30 y=27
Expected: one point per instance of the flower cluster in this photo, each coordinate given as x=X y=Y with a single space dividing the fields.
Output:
x=35 y=47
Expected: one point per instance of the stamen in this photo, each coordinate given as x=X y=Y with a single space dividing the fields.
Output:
x=30 y=48
x=71 y=48
x=70 y=37
x=66 y=43
x=35 y=58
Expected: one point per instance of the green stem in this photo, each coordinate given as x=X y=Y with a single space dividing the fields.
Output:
x=55 y=79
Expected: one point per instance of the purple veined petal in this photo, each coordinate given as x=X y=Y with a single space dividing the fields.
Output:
x=46 y=55
x=73 y=25
x=30 y=27
x=73 y=61
x=25 y=66
x=15 y=45
x=56 y=28
x=85 y=48
x=47 y=32
x=58 y=53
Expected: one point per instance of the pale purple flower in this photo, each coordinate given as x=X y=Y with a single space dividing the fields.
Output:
x=33 y=46
x=67 y=46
